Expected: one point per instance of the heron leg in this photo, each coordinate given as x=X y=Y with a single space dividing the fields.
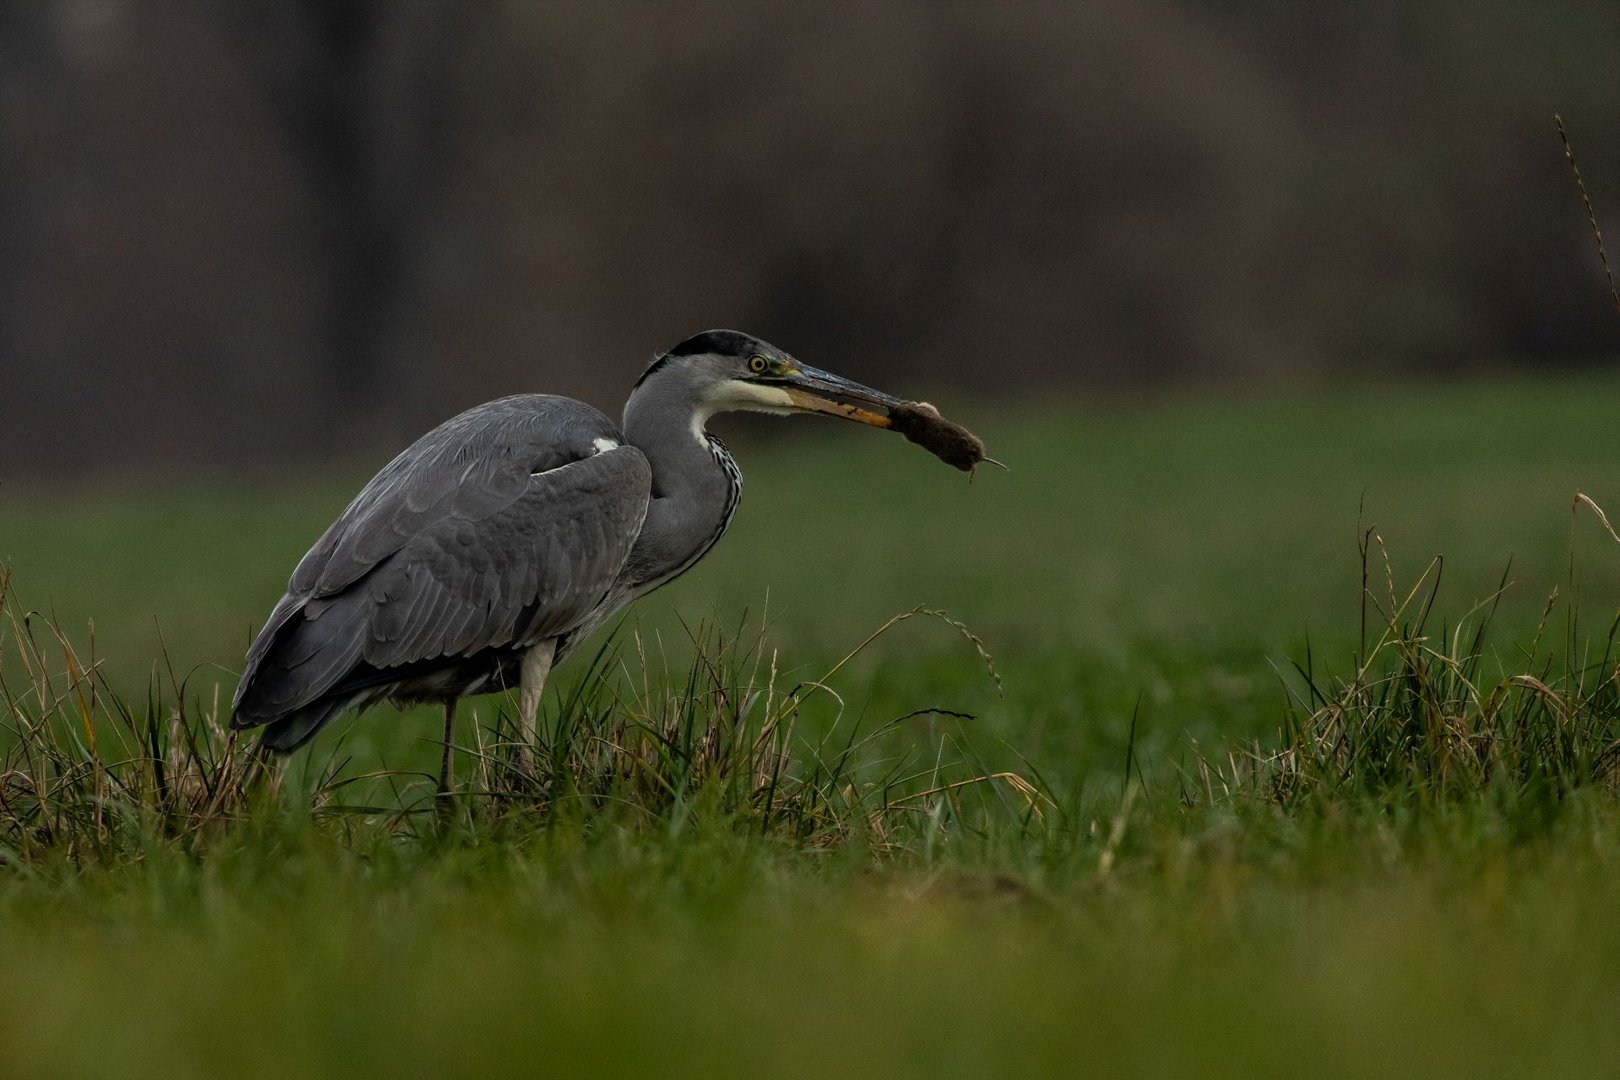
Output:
x=444 y=760
x=536 y=666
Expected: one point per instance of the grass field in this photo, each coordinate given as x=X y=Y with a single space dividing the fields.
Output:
x=1433 y=894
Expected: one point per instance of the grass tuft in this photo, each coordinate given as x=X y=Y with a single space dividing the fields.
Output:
x=1432 y=714
x=727 y=736
x=725 y=739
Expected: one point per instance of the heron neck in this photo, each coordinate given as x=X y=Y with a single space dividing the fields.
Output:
x=693 y=493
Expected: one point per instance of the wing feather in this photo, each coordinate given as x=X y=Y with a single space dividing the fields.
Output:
x=562 y=544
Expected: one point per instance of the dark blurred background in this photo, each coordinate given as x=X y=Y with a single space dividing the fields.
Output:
x=246 y=234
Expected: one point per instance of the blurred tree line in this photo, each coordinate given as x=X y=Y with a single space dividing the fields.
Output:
x=246 y=232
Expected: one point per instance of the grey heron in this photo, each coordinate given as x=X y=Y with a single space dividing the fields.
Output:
x=489 y=549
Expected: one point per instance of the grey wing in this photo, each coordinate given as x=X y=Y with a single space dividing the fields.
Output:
x=505 y=526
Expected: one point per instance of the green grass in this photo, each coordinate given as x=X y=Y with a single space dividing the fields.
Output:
x=1398 y=857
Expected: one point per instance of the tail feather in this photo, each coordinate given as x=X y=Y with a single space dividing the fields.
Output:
x=292 y=682
x=289 y=732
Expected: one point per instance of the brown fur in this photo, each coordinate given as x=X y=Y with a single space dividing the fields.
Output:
x=952 y=443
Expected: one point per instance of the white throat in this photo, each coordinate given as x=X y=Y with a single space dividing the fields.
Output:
x=734 y=395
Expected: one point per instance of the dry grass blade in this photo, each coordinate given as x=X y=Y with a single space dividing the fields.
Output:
x=1032 y=796
x=960 y=627
x=1581 y=498
x=1591 y=215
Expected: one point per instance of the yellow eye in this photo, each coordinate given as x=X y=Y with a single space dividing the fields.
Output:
x=757 y=364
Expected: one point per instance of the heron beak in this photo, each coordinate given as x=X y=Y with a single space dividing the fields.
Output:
x=811 y=390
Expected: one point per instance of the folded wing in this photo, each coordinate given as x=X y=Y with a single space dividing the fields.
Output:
x=503 y=527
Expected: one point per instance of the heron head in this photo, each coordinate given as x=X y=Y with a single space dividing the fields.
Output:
x=728 y=371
